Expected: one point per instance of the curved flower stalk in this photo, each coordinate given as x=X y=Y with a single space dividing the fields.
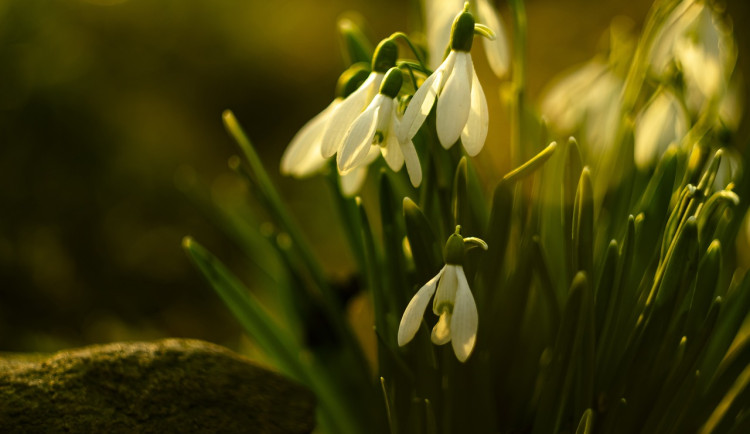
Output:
x=302 y=158
x=461 y=104
x=439 y=16
x=453 y=303
x=662 y=122
x=700 y=44
x=376 y=128
x=344 y=114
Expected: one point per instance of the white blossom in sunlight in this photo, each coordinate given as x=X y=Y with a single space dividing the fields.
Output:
x=375 y=128
x=439 y=16
x=453 y=303
x=461 y=104
x=344 y=114
x=302 y=158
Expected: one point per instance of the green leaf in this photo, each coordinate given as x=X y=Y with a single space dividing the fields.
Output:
x=530 y=166
x=738 y=305
x=704 y=288
x=425 y=248
x=559 y=383
x=586 y=425
x=393 y=253
x=583 y=224
x=277 y=342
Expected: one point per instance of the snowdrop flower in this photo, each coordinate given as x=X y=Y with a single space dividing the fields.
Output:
x=586 y=99
x=461 y=105
x=700 y=44
x=662 y=122
x=377 y=126
x=302 y=158
x=439 y=15
x=453 y=302
x=344 y=114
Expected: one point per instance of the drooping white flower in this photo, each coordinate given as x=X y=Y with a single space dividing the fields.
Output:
x=461 y=104
x=453 y=303
x=375 y=128
x=662 y=122
x=587 y=100
x=439 y=16
x=302 y=158
x=344 y=114
x=696 y=40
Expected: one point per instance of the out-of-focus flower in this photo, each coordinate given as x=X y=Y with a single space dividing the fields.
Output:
x=461 y=104
x=662 y=122
x=695 y=40
x=346 y=112
x=586 y=100
x=302 y=158
x=439 y=16
x=453 y=303
x=376 y=128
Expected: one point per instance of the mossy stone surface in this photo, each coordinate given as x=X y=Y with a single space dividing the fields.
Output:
x=173 y=385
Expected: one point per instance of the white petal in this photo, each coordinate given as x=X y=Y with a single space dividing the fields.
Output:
x=446 y=291
x=302 y=156
x=454 y=101
x=498 y=54
x=464 y=320
x=358 y=139
x=441 y=333
x=346 y=112
x=475 y=131
x=392 y=151
x=423 y=100
x=413 y=167
x=415 y=310
x=351 y=182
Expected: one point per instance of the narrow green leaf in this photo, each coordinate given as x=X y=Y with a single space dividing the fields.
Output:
x=704 y=288
x=558 y=385
x=425 y=249
x=393 y=252
x=530 y=166
x=738 y=305
x=277 y=207
x=586 y=425
x=668 y=278
x=654 y=204
x=583 y=224
x=459 y=201
x=277 y=342
x=606 y=285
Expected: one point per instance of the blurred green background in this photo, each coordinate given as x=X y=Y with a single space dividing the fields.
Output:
x=104 y=103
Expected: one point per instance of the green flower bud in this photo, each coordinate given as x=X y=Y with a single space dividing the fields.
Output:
x=352 y=78
x=454 y=249
x=392 y=83
x=462 y=32
x=385 y=56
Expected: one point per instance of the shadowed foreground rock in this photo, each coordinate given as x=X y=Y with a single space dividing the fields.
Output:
x=173 y=385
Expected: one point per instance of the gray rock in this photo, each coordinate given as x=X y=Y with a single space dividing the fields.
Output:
x=173 y=385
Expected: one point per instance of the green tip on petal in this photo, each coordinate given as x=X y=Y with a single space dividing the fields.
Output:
x=454 y=249
x=462 y=33
x=392 y=83
x=352 y=78
x=385 y=56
